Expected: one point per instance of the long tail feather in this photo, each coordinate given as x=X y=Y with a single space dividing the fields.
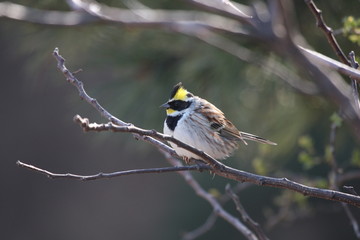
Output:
x=252 y=137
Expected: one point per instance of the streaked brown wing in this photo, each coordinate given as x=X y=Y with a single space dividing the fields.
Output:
x=218 y=122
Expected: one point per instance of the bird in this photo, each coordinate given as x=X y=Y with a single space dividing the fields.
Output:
x=198 y=123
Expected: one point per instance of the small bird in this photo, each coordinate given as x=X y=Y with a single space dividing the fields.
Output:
x=200 y=124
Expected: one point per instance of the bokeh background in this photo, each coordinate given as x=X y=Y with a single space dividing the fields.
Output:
x=131 y=71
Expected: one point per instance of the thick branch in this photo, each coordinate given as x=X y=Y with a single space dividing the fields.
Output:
x=218 y=168
x=225 y=171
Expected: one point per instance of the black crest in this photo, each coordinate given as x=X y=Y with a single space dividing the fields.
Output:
x=175 y=89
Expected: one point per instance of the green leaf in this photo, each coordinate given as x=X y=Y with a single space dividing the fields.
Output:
x=336 y=119
x=355 y=158
x=306 y=160
x=214 y=192
x=306 y=143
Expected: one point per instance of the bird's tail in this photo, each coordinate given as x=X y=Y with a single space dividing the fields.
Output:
x=252 y=137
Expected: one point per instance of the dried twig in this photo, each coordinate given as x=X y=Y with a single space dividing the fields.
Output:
x=207 y=225
x=217 y=167
x=334 y=178
x=336 y=47
x=245 y=216
x=112 y=174
x=334 y=174
x=327 y=30
x=217 y=208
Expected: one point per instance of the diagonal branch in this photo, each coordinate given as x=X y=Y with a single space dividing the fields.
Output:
x=329 y=33
x=217 y=167
x=207 y=225
x=245 y=216
x=320 y=23
x=217 y=208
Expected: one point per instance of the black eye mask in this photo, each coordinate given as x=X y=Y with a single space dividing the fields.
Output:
x=179 y=105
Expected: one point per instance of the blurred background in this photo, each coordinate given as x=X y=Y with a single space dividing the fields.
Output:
x=131 y=71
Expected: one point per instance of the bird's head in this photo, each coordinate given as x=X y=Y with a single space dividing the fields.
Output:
x=180 y=100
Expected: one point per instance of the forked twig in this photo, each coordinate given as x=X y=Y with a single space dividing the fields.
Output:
x=245 y=216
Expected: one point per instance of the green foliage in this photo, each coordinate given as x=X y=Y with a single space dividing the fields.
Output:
x=351 y=29
x=215 y=192
x=336 y=119
x=355 y=158
x=307 y=156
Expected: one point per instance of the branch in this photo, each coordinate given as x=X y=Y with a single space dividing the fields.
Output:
x=218 y=168
x=112 y=174
x=354 y=83
x=225 y=171
x=327 y=31
x=325 y=61
x=225 y=7
x=208 y=224
x=210 y=221
x=217 y=208
x=245 y=216
x=57 y=18
x=336 y=47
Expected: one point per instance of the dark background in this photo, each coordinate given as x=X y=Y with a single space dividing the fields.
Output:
x=131 y=72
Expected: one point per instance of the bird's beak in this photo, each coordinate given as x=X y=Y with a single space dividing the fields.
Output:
x=165 y=105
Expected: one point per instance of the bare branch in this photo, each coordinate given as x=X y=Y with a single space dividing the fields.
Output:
x=210 y=221
x=354 y=83
x=323 y=60
x=245 y=216
x=218 y=168
x=57 y=18
x=218 y=209
x=352 y=219
x=334 y=178
x=336 y=47
x=334 y=173
x=208 y=224
x=327 y=30
x=191 y=21
x=112 y=174
x=225 y=7
x=225 y=171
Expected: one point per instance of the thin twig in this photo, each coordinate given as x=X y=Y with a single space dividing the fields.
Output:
x=334 y=178
x=329 y=33
x=210 y=221
x=207 y=225
x=245 y=216
x=226 y=171
x=84 y=123
x=218 y=168
x=112 y=174
x=353 y=221
x=217 y=208
x=327 y=30
x=334 y=174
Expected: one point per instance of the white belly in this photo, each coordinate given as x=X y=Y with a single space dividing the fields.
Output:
x=193 y=138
